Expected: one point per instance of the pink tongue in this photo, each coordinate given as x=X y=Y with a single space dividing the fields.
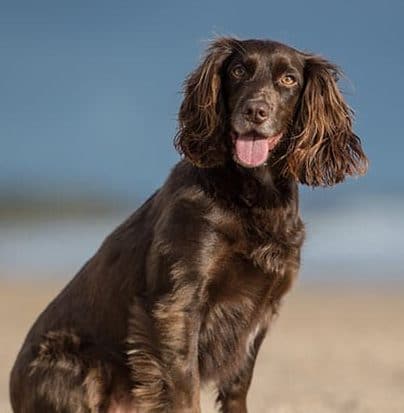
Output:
x=252 y=151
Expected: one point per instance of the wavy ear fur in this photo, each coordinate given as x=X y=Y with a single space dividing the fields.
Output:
x=324 y=149
x=201 y=116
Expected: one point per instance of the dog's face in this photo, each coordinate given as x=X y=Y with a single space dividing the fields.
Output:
x=262 y=83
x=255 y=102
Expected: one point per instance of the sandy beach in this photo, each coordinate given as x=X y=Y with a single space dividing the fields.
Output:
x=334 y=348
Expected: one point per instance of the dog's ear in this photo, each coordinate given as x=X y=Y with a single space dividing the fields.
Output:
x=323 y=148
x=202 y=112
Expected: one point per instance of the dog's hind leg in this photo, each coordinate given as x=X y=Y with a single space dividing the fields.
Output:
x=67 y=374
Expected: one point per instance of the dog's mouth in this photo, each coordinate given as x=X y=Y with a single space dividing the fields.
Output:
x=252 y=150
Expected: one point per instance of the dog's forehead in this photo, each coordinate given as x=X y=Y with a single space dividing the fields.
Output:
x=268 y=51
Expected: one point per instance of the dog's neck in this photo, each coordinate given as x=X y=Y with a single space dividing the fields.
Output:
x=234 y=185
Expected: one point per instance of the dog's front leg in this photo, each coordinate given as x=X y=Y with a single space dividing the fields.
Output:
x=232 y=393
x=163 y=354
x=178 y=321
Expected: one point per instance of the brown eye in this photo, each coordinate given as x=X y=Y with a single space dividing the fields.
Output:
x=238 y=71
x=288 y=80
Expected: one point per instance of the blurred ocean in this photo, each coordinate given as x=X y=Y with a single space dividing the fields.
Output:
x=364 y=239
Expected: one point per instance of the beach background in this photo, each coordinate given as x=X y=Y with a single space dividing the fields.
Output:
x=89 y=95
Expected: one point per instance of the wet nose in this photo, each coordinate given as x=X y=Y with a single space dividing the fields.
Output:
x=257 y=112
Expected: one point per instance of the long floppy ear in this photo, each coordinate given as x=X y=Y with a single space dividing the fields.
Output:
x=323 y=149
x=201 y=116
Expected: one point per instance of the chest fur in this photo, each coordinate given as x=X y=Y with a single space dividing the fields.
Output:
x=249 y=272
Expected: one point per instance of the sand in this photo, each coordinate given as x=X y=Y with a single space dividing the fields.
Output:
x=334 y=348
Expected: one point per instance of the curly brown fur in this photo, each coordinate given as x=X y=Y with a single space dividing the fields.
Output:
x=201 y=116
x=183 y=292
x=324 y=148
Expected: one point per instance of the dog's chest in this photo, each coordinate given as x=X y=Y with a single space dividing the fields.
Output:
x=246 y=279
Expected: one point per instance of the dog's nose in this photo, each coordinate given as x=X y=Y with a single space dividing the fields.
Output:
x=257 y=112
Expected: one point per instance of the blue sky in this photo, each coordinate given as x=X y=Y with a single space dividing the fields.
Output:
x=90 y=90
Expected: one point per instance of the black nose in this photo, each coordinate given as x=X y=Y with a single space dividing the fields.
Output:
x=257 y=112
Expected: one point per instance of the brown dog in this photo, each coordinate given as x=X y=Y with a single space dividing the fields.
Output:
x=184 y=290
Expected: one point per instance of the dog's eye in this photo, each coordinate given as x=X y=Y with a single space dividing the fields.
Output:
x=288 y=80
x=238 y=71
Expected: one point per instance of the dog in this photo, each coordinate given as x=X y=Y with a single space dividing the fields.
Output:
x=183 y=292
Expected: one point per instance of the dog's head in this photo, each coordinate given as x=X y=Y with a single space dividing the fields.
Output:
x=258 y=102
